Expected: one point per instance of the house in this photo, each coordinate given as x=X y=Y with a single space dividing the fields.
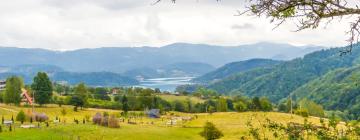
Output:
x=2 y=85
x=154 y=113
x=26 y=98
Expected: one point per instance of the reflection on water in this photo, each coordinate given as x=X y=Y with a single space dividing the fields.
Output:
x=165 y=84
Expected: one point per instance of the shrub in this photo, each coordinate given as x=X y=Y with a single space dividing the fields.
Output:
x=105 y=121
x=240 y=107
x=113 y=122
x=97 y=118
x=210 y=132
x=106 y=114
x=41 y=117
x=21 y=117
x=302 y=112
x=87 y=118
x=63 y=112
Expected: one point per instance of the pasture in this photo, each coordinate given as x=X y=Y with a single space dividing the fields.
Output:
x=232 y=124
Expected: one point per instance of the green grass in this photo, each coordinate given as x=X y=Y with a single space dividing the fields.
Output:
x=93 y=132
x=232 y=124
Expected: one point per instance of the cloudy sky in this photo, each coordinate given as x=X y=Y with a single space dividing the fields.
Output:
x=74 y=24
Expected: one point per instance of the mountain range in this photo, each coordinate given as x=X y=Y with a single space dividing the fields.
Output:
x=57 y=74
x=123 y=59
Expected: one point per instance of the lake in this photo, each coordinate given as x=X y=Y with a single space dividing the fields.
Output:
x=165 y=84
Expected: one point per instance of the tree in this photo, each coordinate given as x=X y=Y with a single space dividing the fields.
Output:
x=179 y=106
x=125 y=105
x=42 y=88
x=210 y=132
x=312 y=108
x=265 y=104
x=101 y=93
x=221 y=105
x=21 y=117
x=81 y=95
x=77 y=101
x=240 y=106
x=13 y=90
x=256 y=105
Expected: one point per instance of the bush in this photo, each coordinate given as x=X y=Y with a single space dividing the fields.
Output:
x=21 y=117
x=113 y=122
x=240 y=106
x=302 y=112
x=210 y=132
x=97 y=118
x=105 y=121
x=41 y=117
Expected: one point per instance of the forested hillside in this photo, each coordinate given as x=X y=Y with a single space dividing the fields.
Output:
x=278 y=82
x=336 y=90
x=235 y=67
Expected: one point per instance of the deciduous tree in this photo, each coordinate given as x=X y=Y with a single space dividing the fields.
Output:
x=13 y=90
x=42 y=88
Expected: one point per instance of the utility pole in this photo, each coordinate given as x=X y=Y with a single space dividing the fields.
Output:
x=33 y=101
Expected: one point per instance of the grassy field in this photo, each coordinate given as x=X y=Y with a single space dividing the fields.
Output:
x=232 y=124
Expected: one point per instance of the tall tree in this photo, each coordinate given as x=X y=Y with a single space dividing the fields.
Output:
x=82 y=94
x=42 y=88
x=256 y=105
x=221 y=105
x=13 y=90
x=125 y=105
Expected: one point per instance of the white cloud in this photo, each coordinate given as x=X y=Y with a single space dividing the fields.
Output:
x=73 y=24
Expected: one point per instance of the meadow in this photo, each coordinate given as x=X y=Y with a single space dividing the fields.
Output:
x=232 y=124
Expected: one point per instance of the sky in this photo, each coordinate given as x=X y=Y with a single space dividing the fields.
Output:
x=75 y=24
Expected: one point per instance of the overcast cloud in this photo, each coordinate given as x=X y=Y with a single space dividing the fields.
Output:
x=74 y=24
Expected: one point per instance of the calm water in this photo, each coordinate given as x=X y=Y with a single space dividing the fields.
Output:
x=165 y=84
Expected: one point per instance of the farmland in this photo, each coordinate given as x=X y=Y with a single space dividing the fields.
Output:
x=232 y=124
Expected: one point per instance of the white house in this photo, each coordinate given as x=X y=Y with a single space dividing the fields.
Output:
x=2 y=85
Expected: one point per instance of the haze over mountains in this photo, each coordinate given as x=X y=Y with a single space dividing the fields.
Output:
x=122 y=59
x=128 y=63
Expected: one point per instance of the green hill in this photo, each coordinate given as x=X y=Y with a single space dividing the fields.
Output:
x=235 y=67
x=336 y=90
x=278 y=82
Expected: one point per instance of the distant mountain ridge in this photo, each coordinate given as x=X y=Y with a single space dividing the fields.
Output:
x=122 y=59
x=56 y=74
x=182 y=69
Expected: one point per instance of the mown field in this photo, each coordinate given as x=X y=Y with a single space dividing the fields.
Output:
x=232 y=124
